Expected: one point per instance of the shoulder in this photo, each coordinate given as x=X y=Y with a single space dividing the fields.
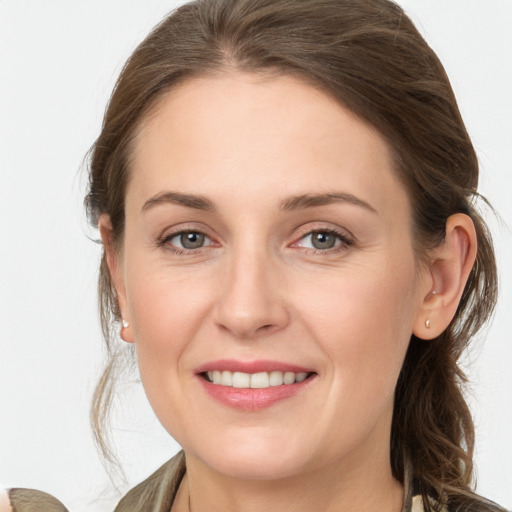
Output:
x=158 y=491
x=29 y=500
x=417 y=505
x=473 y=504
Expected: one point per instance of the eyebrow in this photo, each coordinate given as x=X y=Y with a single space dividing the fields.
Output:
x=187 y=200
x=312 y=200
x=292 y=203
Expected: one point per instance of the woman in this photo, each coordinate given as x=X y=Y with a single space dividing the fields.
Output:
x=285 y=193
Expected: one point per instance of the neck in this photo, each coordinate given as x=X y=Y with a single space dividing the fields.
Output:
x=363 y=487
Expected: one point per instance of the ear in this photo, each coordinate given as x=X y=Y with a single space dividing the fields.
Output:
x=114 y=263
x=449 y=268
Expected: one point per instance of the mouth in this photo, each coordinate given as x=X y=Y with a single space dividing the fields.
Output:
x=252 y=386
x=259 y=380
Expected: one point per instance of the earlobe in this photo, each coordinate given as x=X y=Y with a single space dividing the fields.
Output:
x=125 y=332
x=450 y=265
x=114 y=267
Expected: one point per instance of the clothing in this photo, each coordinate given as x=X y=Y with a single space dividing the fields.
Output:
x=29 y=500
x=155 y=494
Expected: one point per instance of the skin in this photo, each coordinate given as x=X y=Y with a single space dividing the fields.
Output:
x=258 y=289
x=4 y=502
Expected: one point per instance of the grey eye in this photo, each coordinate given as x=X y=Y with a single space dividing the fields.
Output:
x=192 y=239
x=323 y=239
x=189 y=240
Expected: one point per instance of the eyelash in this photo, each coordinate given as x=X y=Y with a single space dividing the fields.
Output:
x=164 y=242
x=345 y=242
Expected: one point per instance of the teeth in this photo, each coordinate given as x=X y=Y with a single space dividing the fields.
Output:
x=301 y=376
x=259 y=380
x=276 y=378
x=241 y=380
x=226 y=378
x=289 y=378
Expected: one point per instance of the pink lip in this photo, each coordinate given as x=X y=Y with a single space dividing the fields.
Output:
x=250 y=366
x=251 y=399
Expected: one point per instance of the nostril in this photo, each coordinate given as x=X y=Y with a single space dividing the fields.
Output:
x=250 y=320
x=266 y=328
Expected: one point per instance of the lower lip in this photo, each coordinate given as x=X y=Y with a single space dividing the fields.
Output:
x=253 y=399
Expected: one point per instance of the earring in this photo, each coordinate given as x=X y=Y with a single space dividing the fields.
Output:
x=427 y=323
x=125 y=324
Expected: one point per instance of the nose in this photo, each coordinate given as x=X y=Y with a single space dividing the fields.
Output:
x=251 y=301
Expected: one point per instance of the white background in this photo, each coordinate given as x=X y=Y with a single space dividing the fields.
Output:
x=58 y=63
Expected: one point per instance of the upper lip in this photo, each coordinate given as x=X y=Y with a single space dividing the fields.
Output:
x=258 y=366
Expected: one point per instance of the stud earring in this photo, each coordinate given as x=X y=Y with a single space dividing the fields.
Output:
x=427 y=323
x=125 y=323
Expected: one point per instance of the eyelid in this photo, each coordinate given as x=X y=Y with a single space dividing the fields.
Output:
x=344 y=236
x=178 y=234
x=169 y=233
x=309 y=229
x=346 y=239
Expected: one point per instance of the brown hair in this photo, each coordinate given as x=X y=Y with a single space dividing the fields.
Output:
x=368 y=56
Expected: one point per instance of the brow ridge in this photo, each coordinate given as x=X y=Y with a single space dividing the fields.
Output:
x=292 y=203
x=187 y=200
x=312 y=200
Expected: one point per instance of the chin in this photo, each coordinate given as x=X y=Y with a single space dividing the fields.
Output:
x=254 y=459
x=256 y=468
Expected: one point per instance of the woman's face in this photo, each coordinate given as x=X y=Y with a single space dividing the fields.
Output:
x=267 y=239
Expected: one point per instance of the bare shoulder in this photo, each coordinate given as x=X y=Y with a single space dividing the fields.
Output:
x=5 y=504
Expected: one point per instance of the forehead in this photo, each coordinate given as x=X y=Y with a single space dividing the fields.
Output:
x=266 y=136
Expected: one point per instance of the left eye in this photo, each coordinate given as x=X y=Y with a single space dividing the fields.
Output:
x=321 y=240
x=189 y=240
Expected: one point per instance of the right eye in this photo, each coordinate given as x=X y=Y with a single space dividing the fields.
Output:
x=188 y=240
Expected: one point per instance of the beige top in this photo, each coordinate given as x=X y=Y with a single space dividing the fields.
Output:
x=155 y=494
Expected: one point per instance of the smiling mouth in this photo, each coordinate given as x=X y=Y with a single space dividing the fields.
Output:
x=260 y=380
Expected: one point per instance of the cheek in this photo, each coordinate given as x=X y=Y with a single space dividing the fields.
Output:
x=166 y=313
x=363 y=320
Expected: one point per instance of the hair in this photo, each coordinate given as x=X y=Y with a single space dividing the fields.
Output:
x=369 y=56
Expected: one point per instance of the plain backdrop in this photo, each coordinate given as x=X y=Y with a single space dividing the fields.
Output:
x=58 y=63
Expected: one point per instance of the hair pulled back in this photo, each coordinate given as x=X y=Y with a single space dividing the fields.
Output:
x=368 y=56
